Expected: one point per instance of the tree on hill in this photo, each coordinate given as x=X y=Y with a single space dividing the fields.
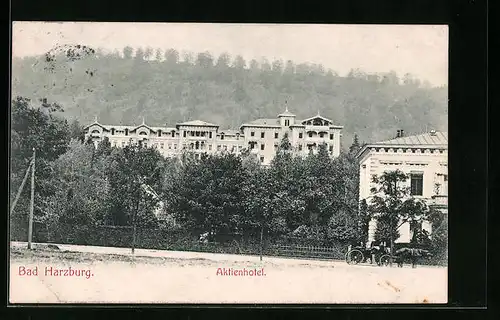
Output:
x=371 y=105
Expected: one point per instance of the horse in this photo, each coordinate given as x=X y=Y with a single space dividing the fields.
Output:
x=411 y=254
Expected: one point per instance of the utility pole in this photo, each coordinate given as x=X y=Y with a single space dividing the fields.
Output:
x=30 y=226
x=21 y=187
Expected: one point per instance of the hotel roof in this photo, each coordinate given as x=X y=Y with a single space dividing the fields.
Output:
x=273 y=122
x=197 y=123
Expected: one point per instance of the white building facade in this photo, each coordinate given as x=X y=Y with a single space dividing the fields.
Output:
x=261 y=137
x=424 y=158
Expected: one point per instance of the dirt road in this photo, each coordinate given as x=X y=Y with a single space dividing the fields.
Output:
x=170 y=277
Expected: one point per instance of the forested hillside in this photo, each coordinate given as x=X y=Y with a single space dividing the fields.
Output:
x=166 y=87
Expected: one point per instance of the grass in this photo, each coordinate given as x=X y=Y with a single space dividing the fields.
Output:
x=45 y=253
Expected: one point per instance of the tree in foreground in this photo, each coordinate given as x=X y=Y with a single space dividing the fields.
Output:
x=392 y=205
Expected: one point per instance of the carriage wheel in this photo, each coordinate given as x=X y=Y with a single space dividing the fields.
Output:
x=384 y=260
x=354 y=257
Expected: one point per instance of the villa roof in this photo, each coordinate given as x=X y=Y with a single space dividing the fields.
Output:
x=438 y=138
x=428 y=139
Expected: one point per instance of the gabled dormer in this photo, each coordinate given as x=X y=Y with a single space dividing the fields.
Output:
x=143 y=129
x=317 y=120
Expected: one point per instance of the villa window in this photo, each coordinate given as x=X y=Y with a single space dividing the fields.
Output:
x=175 y=146
x=331 y=148
x=310 y=134
x=300 y=147
x=331 y=136
x=184 y=134
x=210 y=135
x=209 y=147
x=262 y=146
x=300 y=135
x=222 y=136
x=262 y=135
x=417 y=184
x=123 y=144
x=287 y=123
x=252 y=134
x=261 y=159
x=275 y=135
x=321 y=135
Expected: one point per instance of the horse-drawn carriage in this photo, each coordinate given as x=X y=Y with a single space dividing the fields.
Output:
x=380 y=254
x=360 y=253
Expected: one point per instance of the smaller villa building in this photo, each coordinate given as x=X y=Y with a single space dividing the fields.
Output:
x=423 y=157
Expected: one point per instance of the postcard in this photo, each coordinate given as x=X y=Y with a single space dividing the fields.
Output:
x=195 y=163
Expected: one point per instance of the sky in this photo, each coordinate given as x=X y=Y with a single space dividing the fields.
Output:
x=421 y=50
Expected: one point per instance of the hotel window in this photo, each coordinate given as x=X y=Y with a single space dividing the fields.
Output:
x=275 y=146
x=169 y=146
x=252 y=134
x=300 y=147
x=300 y=135
x=331 y=148
x=210 y=135
x=275 y=135
x=262 y=135
x=209 y=147
x=417 y=184
x=262 y=147
x=331 y=136
x=114 y=143
x=112 y=131
x=222 y=136
x=126 y=132
x=321 y=135
x=162 y=145
x=159 y=133
x=287 y=123
x=225 y=147
x=261 y=159
x=175 y=146
x=197 y=133
x=184 y=134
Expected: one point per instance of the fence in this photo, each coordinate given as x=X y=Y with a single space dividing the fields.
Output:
x=164 y=239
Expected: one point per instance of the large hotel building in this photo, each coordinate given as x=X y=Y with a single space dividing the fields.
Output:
x=261 y=136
